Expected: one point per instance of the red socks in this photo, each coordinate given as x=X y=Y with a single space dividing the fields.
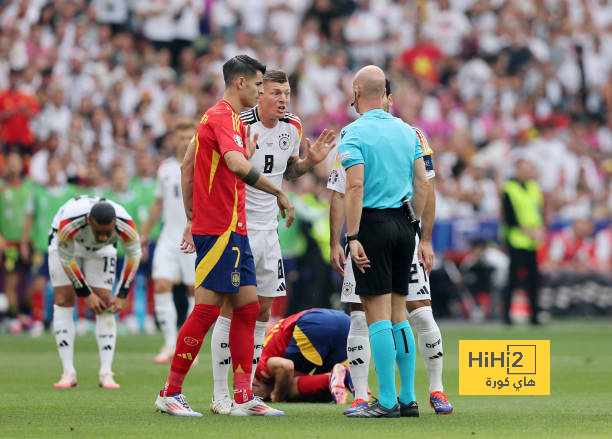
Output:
x=309 y=385
x=241 y=348
x=189 y=342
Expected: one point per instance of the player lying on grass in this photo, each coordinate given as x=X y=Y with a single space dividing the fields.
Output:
x=309 y=341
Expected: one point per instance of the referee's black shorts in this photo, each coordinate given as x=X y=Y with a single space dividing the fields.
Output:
x=388 y=241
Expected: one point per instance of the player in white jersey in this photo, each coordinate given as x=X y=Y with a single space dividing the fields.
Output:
x=82 y=260
x=170 y=264
x=276 y=156
x=418 y=301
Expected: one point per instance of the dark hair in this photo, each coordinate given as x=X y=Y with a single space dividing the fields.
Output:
x=276 y=76
x=103 y=212
x=387 y=87
x=241 y=65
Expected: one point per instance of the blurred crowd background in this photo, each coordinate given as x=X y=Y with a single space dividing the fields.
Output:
x=90 y=92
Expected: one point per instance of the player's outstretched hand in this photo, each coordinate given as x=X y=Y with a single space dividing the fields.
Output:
x=187 y=244
x=95 y=304
x=317 y=151
x=337 y=258
x=251 y=144
x=286 y=208
x=358 y=255
x=426 y=255
x=118 y=304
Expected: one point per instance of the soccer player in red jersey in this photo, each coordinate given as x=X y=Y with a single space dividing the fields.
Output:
x=214 y=173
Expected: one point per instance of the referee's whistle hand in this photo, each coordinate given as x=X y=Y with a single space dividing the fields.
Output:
x=358 y=255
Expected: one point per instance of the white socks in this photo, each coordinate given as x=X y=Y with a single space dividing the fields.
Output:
x=165 y=312
x=190 y=305
x=221 y=357
x=430 y=344
x=358 y=353
x=63 y=327
x=106 y=334
x=259 y=337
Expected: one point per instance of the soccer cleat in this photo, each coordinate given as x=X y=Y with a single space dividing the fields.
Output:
x=107 y=381
x=409 y=410
x=376 y=410
x=37 y=329
x=67 y=381
x=254 y=407
x=164 y=356
x=439 y=402
x=356 y=405
x=222 y=406
x=337 y=389
x=175 y=405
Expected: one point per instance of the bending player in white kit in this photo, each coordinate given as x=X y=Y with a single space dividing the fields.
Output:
x=170 y=264
x=418 y=301
x=276 y=155
x=82 y=260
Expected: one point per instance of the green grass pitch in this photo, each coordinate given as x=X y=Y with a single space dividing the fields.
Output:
x=580 y=404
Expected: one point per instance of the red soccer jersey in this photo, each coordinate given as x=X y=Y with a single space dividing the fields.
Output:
x=276 y=344
x=218 y=195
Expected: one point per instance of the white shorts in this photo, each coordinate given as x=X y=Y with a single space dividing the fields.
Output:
x=97 y=267
x=418 y=289
x=169 y=262
x=268 y=259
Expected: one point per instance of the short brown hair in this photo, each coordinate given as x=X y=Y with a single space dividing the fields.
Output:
x=184 y=124
x=276 y=76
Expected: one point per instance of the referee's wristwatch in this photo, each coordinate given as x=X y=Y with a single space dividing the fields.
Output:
x=350 y=238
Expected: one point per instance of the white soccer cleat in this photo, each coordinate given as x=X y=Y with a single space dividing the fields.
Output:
x=108 y=382
x=175 y=405
x=164 y=356
x=67 y=381
x=254 y=407
x=38 y=329
x=222 y=406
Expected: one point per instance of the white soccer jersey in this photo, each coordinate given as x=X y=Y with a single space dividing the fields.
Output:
x=337 y=176
x=72 y=237
x=275 y=146
x=169 y=190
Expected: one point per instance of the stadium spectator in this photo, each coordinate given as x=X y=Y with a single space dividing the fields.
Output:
x=17 y=108
x=509 y=67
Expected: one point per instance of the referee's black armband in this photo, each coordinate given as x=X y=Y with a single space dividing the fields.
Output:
x=252 y=176
x=83 y=290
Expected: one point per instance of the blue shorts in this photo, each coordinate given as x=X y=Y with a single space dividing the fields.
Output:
x=319 y=340
x=40 y=265
x=224 y=263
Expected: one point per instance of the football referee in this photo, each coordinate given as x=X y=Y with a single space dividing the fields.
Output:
x=384 y=167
